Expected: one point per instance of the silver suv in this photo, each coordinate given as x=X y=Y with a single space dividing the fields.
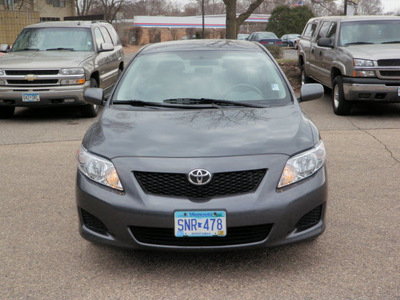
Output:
x=51 y=64
x=358 y=57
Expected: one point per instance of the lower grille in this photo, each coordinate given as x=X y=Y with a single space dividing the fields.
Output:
x=93 y=223
x=310 y=219
x=390 y=73
x=235 y=236
x=222 y=184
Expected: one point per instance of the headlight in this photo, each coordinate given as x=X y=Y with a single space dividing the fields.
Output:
x=363 y=63
x=303 y=165
x=72 y=71
x=98 y=169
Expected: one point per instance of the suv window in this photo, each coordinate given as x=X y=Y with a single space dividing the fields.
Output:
x=309 y=30
x=106 y=35
x=98 y=37
x=114 y=35
x=324 y=30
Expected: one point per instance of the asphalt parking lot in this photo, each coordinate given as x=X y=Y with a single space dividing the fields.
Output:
x=43 y=256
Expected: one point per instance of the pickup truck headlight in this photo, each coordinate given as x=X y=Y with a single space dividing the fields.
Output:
x=98 y=169
x=72 y=71
x=303 y=165
x=363 y=63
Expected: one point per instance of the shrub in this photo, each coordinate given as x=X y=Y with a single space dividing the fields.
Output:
x=276 y=51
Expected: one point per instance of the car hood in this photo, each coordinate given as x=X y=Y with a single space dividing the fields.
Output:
x=200 y=133
x=374 y=52
x=43 y=59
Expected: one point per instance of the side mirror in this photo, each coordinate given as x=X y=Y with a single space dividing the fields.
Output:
x=4 y=48
x=325 y=42
x=94 y=96
x=104 y=47
x=311 y=91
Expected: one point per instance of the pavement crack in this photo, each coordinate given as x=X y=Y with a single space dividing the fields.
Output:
x=376 y=139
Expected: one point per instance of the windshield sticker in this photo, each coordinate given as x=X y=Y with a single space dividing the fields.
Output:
x=275 y=87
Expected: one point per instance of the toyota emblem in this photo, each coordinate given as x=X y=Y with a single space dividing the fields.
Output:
x=199 y=177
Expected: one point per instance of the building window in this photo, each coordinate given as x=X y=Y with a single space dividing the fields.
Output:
x=46 y=19
x=56 y=3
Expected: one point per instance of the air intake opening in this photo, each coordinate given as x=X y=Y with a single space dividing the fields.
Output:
x=310 y=219
x=93 y=223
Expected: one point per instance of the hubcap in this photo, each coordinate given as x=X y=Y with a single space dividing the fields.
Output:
x=336 y=96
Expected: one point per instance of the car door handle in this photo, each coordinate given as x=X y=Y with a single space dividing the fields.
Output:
x=320 y=53
x=312 y=50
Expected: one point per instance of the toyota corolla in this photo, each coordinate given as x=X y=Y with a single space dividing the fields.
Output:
x=202 y=145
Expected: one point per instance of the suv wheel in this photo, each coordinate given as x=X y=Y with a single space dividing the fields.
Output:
x=90 y=110
x=339 y=104
x=6 y=112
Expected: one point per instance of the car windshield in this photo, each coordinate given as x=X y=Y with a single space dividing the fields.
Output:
x=293 y=36
x=369 y=32
x=220 y=75
x=47 y=39
x=266 y=35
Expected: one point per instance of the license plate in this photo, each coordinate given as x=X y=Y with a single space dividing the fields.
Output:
x=271 y=43
x=200 y=223
x=30 y=97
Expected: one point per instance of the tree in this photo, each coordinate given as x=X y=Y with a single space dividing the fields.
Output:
x=285 y=19
x=369 y=7
x=83 y=7
x=232 y=21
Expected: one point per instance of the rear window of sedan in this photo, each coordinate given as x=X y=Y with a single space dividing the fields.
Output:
x=225 y=75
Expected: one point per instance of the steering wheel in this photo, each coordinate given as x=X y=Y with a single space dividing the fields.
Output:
x=242 y=88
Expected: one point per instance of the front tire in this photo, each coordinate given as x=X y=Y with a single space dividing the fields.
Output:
x=340 y=106
x=304 y=78
x=90 y=110
x=7 y=112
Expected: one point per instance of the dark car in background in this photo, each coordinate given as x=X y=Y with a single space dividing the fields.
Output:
x=265 y=38
x=202 y=145
x=289 y=40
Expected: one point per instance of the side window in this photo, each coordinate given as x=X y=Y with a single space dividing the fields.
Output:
x=324 y=30
x=114 y=35
x=332 y=31
x=106 y=35
x=309 y=30
x=98 y=37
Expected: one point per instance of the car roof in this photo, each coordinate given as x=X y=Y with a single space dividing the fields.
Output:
x=86 y=24
x=355 y=18
x=194 y=45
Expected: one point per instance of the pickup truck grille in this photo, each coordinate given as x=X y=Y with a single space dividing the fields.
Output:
x=389 y=62
x=33 y=72
x=33 y=83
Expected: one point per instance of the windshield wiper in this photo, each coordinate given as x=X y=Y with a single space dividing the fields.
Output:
x=359 y=43
x=391 y=42
x=157 y=104
x=27 y=49
x=196 y=101
x=56 y=49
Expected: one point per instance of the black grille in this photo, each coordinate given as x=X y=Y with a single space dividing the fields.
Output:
x=235 y=236
x=222 y=184
x=34 y=82
x=390 y=73
x=310 y=219
x=34 y=72
x=93 y=223
x=389 y=62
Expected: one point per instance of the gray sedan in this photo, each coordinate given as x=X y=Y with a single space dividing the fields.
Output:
x=202 y=145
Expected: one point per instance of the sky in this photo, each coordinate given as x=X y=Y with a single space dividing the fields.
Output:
x=391 y=5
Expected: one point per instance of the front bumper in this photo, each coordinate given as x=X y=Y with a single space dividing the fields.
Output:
x=371 y=89
x=110 y=217
x=49 y=96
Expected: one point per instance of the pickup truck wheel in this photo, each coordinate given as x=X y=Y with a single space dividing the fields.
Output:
x=7 y=112
x=340 y=106
x=90 y=110
x=304 y=78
